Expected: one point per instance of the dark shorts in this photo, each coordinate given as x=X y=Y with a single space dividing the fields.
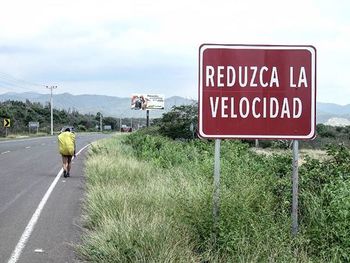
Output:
x=69 y=157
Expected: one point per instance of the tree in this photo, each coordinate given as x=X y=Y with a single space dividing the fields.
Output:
x=22 y=113
x=177 y=122
x=325 y=131
x=110 y=121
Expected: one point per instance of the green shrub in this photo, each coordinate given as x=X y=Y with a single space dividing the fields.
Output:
x=325 y=204
x=254 y=193
x=126 y=211
x=172 y=181
x=177 y=122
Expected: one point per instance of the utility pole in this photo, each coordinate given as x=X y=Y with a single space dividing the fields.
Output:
x=51 y=103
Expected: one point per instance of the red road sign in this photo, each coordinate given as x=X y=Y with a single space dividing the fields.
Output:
x=257 y=91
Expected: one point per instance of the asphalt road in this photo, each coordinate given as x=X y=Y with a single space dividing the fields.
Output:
x=28 y=168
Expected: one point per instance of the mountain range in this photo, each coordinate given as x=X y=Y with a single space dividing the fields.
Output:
x=107 y=105
x=328 y=113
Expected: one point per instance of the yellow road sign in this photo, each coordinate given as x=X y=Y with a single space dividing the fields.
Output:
x=7 y=123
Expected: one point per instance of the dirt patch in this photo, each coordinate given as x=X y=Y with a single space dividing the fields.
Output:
x=315 y=154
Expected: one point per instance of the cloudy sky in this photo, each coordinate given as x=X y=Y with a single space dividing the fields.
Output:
x=122 y=47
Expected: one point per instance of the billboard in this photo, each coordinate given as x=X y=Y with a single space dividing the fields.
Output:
x=257 y=91
x=147 y=102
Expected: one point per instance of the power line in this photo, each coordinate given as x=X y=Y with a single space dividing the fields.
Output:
x=12 y=86
x=20 y=80
x=13 y=82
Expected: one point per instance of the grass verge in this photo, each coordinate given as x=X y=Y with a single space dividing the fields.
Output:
x=149 y=199
x=127 y=211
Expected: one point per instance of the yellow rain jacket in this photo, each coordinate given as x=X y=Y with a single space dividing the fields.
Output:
x=66 y=143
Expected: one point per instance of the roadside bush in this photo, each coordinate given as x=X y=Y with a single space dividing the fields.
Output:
x=325 y=204
x=256 y=199
x=127 y=211
x=176 y=123
x=155 y=176
x=254 y=209
x=81 y=128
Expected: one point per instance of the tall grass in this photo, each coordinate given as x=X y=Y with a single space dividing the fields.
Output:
x=150 y=200
x=127 y=211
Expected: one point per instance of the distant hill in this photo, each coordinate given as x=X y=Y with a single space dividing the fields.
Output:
x=328 y=111
x=107 y=105
x=333 y=108
x=120 y=107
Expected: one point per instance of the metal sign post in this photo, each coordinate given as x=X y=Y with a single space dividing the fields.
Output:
x=216 y=195
x=295 y=181
x=7 y=124
x=192 y=130
x=33 y=124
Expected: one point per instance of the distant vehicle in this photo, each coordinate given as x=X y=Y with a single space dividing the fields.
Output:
x=125 y=128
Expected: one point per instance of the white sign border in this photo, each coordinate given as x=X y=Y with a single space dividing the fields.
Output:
x=309 y=48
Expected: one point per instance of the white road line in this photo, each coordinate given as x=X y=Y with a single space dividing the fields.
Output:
x=5 y=152
x=35 y=217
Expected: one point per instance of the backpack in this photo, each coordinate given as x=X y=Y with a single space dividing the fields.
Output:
x=66 y=143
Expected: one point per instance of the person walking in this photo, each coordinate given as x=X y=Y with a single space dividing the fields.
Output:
x=66 y=144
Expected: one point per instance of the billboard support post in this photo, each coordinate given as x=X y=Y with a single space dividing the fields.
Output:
x=295 y=179
x=100 y=122
x=147 y=118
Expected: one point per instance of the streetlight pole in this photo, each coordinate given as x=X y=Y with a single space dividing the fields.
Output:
x=51 y=103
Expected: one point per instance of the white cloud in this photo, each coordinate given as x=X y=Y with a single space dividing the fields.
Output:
x=92 y=39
